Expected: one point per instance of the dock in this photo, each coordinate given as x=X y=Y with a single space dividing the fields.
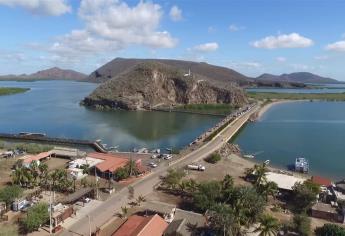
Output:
x=96 y=145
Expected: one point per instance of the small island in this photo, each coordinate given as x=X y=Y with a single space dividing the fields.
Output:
x=9 y=91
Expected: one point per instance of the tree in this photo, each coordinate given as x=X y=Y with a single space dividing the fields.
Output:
x=207 y=196
x=268 y=189
x=269 y=226
x=124 y=212
x=34 y=172
x=247 y=204
x=140 y=199
x=330 y=230
x=213 y=158
x=301 y=224
x=221 y=219
x=260 y=174
x=37 y=215
x=10 y=194
x=304 y=195
x=173 y=178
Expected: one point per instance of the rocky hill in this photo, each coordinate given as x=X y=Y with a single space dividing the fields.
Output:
x=215 y=74
x=297 y=77
x=151 y=84
x=54 y=73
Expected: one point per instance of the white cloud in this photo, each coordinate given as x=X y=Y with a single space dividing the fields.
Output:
x=40 y=7
x=116 y=21
x=293 y=40
x=234 y=28
x=206 y=47
x=336 y=47
x=301 y=67
x=175 y=13
x=12 y=56
x=211 y=29
x=322 y=57
x=109 y=27
x=281 y=59
x=246 y=65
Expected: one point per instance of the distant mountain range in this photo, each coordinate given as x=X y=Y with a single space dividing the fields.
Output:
x=215 y=74
x=297 y=77
x=54 y=73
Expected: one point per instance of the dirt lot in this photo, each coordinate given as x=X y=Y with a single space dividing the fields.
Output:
x=234 y=166
x=5 y=169
x=56 y=163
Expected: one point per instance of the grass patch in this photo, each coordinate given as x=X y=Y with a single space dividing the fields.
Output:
x=217 y=109
x=33 y=148
x=213 y=158
x=217 y=131
x=298 y=96
x=8 y=91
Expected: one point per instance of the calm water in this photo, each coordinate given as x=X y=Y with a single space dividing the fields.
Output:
x=314 y=130
x=324 y=88
x=52 y=107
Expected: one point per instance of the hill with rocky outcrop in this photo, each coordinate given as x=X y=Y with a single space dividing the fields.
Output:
x=54 y=73
x=214 y=74
x=150 y=84
x=297 y=77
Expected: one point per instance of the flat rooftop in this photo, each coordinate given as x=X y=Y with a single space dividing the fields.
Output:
x=283 y=181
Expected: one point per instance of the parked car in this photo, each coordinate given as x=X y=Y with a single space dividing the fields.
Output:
x=87 y=200
x=153 y=165
x=167 y=156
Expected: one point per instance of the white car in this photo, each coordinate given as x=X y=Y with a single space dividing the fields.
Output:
x=86 y=200
x=153 y=165
x=167 y=157
x=154 y=156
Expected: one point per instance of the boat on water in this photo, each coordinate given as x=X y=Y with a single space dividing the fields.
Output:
x=301 y=165
x=266 y=162
x=249 y=156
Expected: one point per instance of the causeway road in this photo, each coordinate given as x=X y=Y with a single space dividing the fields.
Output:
x=144 y=186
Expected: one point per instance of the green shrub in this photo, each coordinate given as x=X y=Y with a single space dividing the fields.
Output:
x=301 y=224
x=33 y=148
x=213 y=158
x=37 y=216
x=331 y=230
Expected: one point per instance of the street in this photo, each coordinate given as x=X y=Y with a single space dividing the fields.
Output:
x=144 y=186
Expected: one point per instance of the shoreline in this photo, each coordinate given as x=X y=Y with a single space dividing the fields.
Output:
x=269 y=105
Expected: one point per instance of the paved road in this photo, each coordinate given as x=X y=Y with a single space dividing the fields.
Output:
x=109 y=208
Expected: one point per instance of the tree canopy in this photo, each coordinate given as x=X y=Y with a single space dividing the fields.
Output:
x=330 y=230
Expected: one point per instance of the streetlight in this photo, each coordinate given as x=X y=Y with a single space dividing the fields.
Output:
x=88 y=216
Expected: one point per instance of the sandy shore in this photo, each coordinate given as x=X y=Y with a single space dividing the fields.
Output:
x=267 y=106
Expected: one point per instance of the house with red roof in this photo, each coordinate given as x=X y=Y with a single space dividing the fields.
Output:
x=111 y=162
x=142 y=226
x=324 y=182
x=28 y=159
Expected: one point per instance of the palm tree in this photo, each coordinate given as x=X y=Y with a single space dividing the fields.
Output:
x=260 y=174
x=228 y=182
x=124 y=212
x=140 y=199
x=18 y=176
x=192 y=186
x=269 y=226
x=43 y=168
x=34 y=172
x=268 y=189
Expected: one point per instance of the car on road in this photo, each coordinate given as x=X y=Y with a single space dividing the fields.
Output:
x=87 y=200
x=167 y=156
x=153 y=165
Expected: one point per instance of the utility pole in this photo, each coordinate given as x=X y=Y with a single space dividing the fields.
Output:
x=90 y=233
x=50 y=212
x=96 y=181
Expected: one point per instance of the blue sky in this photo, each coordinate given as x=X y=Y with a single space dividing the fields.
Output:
x=250 y=36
